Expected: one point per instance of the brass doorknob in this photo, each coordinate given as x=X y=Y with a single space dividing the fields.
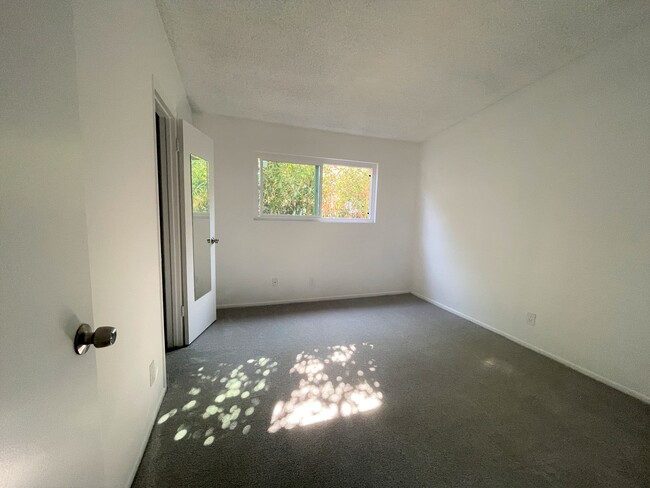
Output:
x=86 y=337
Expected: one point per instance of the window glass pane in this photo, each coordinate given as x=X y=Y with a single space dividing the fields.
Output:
x=346 y=192
x=289 y=189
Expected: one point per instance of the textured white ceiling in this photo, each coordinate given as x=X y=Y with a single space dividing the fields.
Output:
x=399 y=69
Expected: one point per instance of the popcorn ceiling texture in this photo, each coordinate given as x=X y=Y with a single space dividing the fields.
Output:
x=396 y=69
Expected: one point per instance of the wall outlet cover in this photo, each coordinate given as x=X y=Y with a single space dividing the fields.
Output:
x=531 y=318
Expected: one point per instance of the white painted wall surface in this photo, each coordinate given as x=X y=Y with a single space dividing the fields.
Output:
x=541 y=203
x=120 y=46
x=344 y=259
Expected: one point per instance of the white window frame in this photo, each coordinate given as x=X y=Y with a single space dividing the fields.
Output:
x=319 y=162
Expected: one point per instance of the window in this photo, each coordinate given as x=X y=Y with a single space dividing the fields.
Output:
x=301 y=188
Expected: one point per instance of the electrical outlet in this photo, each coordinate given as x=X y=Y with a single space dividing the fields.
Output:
x=153 y=372
x=530 y=319
x=274 y=282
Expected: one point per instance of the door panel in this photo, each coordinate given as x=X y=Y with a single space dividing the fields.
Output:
x=198 y=229
x=49 y=420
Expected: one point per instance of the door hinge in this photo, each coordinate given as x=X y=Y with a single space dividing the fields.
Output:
x=182 y=310
x=178 y=146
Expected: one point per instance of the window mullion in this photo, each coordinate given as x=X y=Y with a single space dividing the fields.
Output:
x=260 y=202
x=319 y=190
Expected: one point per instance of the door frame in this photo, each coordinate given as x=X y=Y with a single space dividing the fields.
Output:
x=169 y=222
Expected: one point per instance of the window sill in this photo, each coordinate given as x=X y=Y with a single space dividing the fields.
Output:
x=296 y=218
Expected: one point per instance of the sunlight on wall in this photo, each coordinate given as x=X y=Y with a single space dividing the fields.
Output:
x=221 y=402
x=335 y=384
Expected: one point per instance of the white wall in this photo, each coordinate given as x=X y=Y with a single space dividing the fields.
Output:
x=344 y=259
x=120 y=46
x=541 y=203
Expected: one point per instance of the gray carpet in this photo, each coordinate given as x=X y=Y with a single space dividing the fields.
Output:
x=388 y=391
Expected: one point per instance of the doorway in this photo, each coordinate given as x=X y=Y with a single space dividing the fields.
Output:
x=168 y=179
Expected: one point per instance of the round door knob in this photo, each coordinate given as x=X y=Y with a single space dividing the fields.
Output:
x=86 y=337
x=212 y=240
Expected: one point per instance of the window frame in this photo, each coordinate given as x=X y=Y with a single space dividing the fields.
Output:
x=319 y=163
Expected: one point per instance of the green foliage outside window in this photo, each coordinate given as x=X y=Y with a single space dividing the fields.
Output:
x=346 y=192
x=289 y=189
x=292 y=189
x=200 y=199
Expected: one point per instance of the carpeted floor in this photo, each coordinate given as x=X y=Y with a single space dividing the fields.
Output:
x=388 y=391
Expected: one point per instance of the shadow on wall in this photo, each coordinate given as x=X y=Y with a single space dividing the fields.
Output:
x=337 y=382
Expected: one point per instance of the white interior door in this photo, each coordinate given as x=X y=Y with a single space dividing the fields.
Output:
x=198 y=228
x=49 y=409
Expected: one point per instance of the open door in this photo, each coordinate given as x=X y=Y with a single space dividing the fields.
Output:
x=49 y=405
x=199 y=275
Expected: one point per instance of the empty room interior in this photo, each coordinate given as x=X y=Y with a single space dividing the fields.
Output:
x=303 y=243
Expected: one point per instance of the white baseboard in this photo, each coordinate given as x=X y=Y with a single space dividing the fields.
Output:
x=150 y=422
x=566 y=362
x=315 y=299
